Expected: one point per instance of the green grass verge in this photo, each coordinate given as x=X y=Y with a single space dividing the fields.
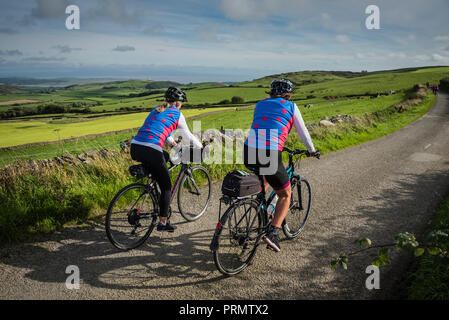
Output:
x=43 y=202
x=431 y=279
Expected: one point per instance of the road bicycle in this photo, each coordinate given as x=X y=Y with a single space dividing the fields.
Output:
x=132 y=213
x=245 y=222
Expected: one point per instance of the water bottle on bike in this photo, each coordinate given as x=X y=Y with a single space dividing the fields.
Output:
x=271 y=208
x=177 y=157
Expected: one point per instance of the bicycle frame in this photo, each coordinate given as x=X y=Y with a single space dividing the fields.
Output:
x=265 y=202
x=178 y=178
x=262 y=205
x=185 y=169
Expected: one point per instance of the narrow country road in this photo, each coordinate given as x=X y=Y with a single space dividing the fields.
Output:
x=374 y=190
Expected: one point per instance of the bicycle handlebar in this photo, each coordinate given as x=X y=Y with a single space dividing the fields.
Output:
x=204 y=142
x=208 y=142
x=298 y=151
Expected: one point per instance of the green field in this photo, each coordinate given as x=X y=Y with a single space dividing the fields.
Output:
x=46 y=200
x=115 y=95
x=21 y=132
x=331 y=93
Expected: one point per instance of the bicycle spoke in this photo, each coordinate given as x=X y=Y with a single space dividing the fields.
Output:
x=130 y=218
x=237 y=244
x=299 y=209
x=194 y=193
x=197 y=191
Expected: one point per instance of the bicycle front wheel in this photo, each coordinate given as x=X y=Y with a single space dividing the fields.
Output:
x=194 y=193
x=131 y=216
x=237 y=241
x=299 y=210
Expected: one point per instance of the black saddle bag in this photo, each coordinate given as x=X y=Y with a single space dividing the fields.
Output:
x=139 y=171
x=239 y=183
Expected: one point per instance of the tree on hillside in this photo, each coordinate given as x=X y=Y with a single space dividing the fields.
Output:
x=237 y=100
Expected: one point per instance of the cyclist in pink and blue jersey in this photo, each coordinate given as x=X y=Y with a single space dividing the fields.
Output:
x=273 y=119
x=146 y=146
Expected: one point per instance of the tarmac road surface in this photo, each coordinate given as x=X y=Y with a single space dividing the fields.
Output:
x=375 y=190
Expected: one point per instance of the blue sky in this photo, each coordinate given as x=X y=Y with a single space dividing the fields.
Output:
x=218 y=40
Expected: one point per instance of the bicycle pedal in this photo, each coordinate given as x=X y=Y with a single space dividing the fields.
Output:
x=270 y=248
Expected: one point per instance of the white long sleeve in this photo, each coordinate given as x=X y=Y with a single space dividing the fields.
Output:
x=170 y=140
x=301 y=128
x=186 y=134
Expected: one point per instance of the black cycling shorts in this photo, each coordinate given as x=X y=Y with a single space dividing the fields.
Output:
x=156 y=162
x=279 y=179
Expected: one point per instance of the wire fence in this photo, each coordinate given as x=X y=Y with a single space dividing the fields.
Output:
x=8 y=157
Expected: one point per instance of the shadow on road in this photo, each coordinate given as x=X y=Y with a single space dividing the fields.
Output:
x=164 y=261
x=407 y=206
x=301 y=271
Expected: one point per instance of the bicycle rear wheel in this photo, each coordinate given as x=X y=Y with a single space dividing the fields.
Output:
x=238 y=239
x=300 y=205
x=194 y=193
x=131 y=216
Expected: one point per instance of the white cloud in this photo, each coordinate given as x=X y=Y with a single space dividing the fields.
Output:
x=440 y=59
x=124 y=48
x=10 y=53
x=371 y=56
x=250 y=10
x=66 y=49
x=421 y=57
x=43 y=59
x=251 y=32
x=155 y=29
x=258 y=34
x=207 y=33
x=46 y=9
x=242 y=10
x=7 y=31
x=325 y=16
x=441 y=38
x=397 y=55
x=341 y=38
x=116 y=11
x=406 y=40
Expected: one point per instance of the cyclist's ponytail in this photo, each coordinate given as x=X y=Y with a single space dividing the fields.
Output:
x=286 y=96
x=163 y=107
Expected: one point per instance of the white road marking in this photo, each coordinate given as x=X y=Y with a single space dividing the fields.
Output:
x=427 y=147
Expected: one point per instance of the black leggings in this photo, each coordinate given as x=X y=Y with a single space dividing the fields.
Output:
x=156 y=162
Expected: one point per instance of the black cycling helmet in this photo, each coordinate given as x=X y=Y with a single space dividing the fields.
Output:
x=175 y=94
x=281 y=86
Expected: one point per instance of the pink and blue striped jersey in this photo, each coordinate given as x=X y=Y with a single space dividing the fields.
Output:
x=158 y=127
x=273 y=119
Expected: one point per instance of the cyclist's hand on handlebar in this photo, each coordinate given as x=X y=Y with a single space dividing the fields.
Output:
x=207 y=142
x=315 y=154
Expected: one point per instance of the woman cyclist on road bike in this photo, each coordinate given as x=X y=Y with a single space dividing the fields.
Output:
x=272 y=121
x=146 y=147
